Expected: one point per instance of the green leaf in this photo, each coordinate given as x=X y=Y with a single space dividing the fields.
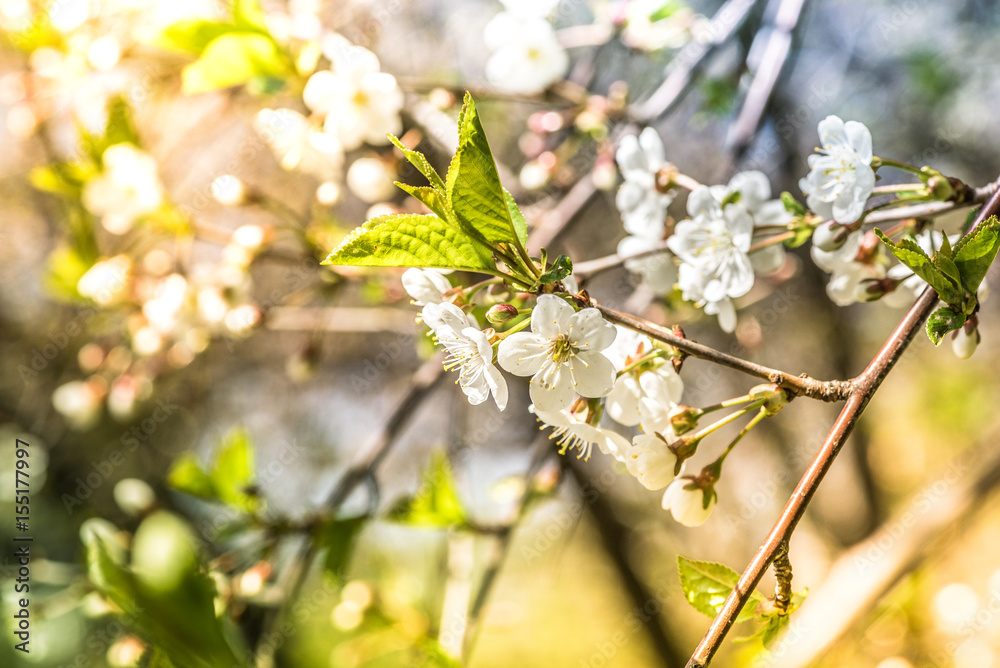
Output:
x=974 y=253
x=706 y=586
x=186 y=475
x=914 y=257
x=559 y=270
x=517 y=217
x=418 y=160
x=193 y=35
x=411 y=240
x=436 y=503
x=792 y=205
x=338 y=538
x=119 y=128
x=233 y=470
x=432 y=198
x=945 y=319
x=473 y=183
x=771 y=630
x=231 y=60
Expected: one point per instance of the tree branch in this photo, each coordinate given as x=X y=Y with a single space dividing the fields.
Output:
x=865 y=387
x=829 y=390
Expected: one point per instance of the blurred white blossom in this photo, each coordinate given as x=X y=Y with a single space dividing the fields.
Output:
x=127 y=188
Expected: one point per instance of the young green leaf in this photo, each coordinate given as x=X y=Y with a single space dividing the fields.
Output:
x=559 y=270
x=418 y=160
x=411 y=240
x=706 y=586
x=436 y=503
x=432 y=198
x=914 y=257
x=974 y=253
x=771 y=630
x=192 y=36
x=186 y=475
x=473 y=184
x=233 y=470
x=231 y=60
x=792 y=205
x=517 y=217
x=945 y=319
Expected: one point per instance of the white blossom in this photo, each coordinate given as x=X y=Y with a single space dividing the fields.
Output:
x=712 y=247
x=470 y=350
x=527 y=58
x=426 y=286
x=651 y=462
x=107 y=282
x=690 y=507
x=658 y=269
x=571 y=431
x=652 y=25
x=642 y=206
x=360 y=102
x=840 y=178
x=299 y=145
x=438 y=315
x=641 y=398
x=561 y=353
x=371 y=180
x=849 y=277
x=127 y=188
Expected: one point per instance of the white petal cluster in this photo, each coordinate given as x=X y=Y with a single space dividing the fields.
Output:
x=651 y=462
x=469 y=350
x=643 y=208
x=572 y=431
x=643 y=396
x=426 y=286
x=840 y=178
x=301 y=145
x=127 y=188
x=652 y=25
x=562 y=353
x=713 y=244
x=849 y=275
x=359 y=102
x=108 y=281
x=527 y=58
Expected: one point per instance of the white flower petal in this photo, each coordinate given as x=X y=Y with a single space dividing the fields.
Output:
x=593 y=375
x=552 y=387
x=523 y=353
x=551 y=316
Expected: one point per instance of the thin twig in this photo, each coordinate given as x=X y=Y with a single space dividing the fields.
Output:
x=865 y=387
x=862 y=575
x=828 y=390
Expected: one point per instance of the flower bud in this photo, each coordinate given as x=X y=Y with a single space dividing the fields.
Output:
x=940 y=188
x=874 y=289
x=684 y=418
x=966 y=341
x=828 y=237
x=773 y=396
x=689 y=500
x=869 y=248
x=501 y=313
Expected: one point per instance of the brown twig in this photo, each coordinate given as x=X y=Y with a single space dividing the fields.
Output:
x=865 y=387
x=828 y=390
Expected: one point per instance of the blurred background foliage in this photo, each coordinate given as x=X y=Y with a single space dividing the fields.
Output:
x=192 y=403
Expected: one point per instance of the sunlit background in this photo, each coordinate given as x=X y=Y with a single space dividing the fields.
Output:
x=168 y=185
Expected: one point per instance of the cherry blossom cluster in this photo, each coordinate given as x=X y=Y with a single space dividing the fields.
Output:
x=737 y=231
x=581 y=368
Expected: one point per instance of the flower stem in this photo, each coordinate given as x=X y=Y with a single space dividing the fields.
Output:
x=516 y=328
x=724 y=421
x=770 y=241
x=739 y=437
x=727 y=403
x=898 y=164
x=899 y=188
x=648 y=357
